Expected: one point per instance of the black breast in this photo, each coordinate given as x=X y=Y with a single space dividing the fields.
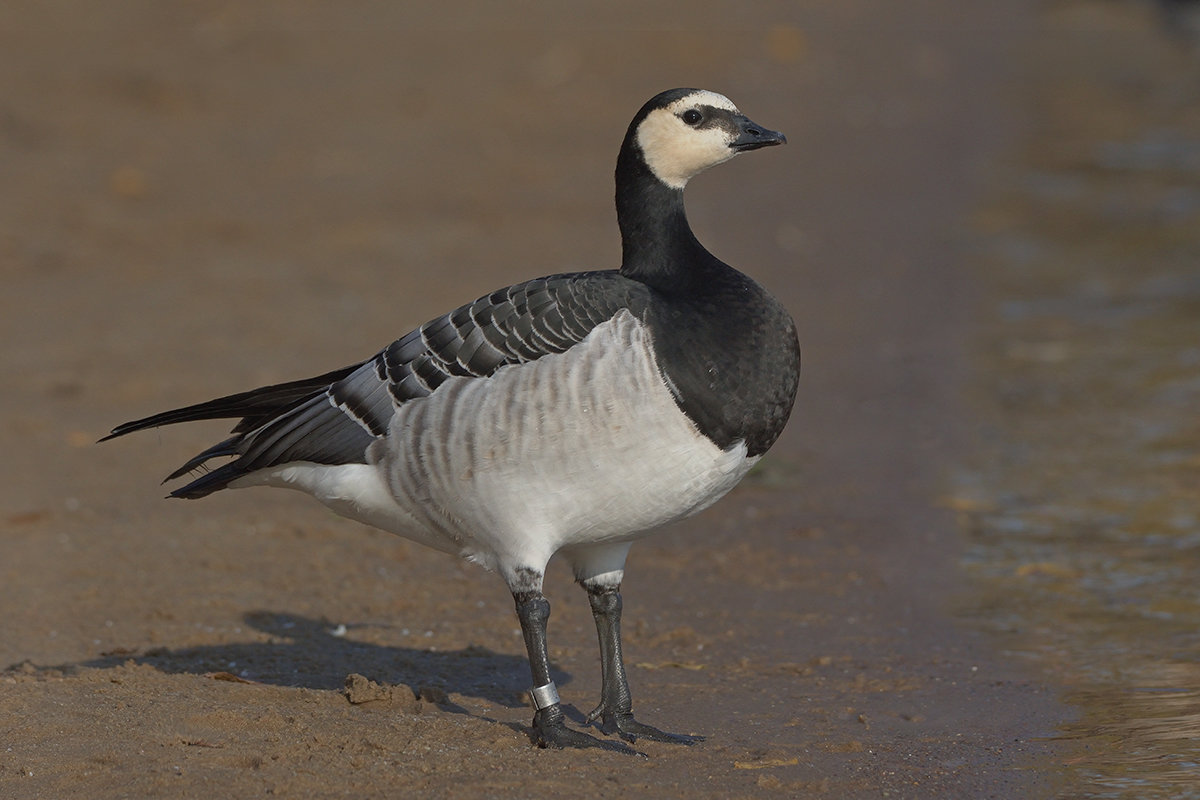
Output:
x=730 y=352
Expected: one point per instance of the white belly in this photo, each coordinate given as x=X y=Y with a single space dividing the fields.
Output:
x=581 y=447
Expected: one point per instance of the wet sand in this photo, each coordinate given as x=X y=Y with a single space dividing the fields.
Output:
x=198 y=205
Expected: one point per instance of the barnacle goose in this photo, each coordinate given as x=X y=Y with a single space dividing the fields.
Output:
x=569 y=414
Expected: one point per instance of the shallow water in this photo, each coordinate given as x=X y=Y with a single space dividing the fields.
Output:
x=1083 y=505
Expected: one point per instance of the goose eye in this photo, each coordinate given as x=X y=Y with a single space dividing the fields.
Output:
x=692 y=116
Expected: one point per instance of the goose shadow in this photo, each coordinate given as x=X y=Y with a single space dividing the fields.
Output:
x=313 y=653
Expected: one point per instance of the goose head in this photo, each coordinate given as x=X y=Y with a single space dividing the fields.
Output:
x=682 y=132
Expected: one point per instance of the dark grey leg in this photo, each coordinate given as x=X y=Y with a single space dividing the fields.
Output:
x=615 y=711
x=549 y=727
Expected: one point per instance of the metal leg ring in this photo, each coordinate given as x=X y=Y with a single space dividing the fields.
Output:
x=544 y=696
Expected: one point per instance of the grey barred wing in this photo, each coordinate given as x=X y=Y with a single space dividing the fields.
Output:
x=333 y=418
x=510 y=326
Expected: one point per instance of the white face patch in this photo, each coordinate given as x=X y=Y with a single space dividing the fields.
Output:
x=674 y=150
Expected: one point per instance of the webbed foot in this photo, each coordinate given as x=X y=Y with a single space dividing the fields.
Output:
x=550 y=730
x=623 y=724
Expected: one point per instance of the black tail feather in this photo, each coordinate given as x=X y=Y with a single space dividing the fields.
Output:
x=229 y=447
x=254 y=407
x=209 y=482
x=279 y=423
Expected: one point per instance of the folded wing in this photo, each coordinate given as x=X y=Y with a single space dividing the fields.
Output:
x=333 y=418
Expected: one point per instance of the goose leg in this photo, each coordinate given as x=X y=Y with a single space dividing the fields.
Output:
x=549 y=726
x=615 y=711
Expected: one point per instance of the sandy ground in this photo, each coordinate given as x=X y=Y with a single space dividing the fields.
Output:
x=206 y=198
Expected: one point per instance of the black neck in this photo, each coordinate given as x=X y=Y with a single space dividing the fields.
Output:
x=657 y=244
